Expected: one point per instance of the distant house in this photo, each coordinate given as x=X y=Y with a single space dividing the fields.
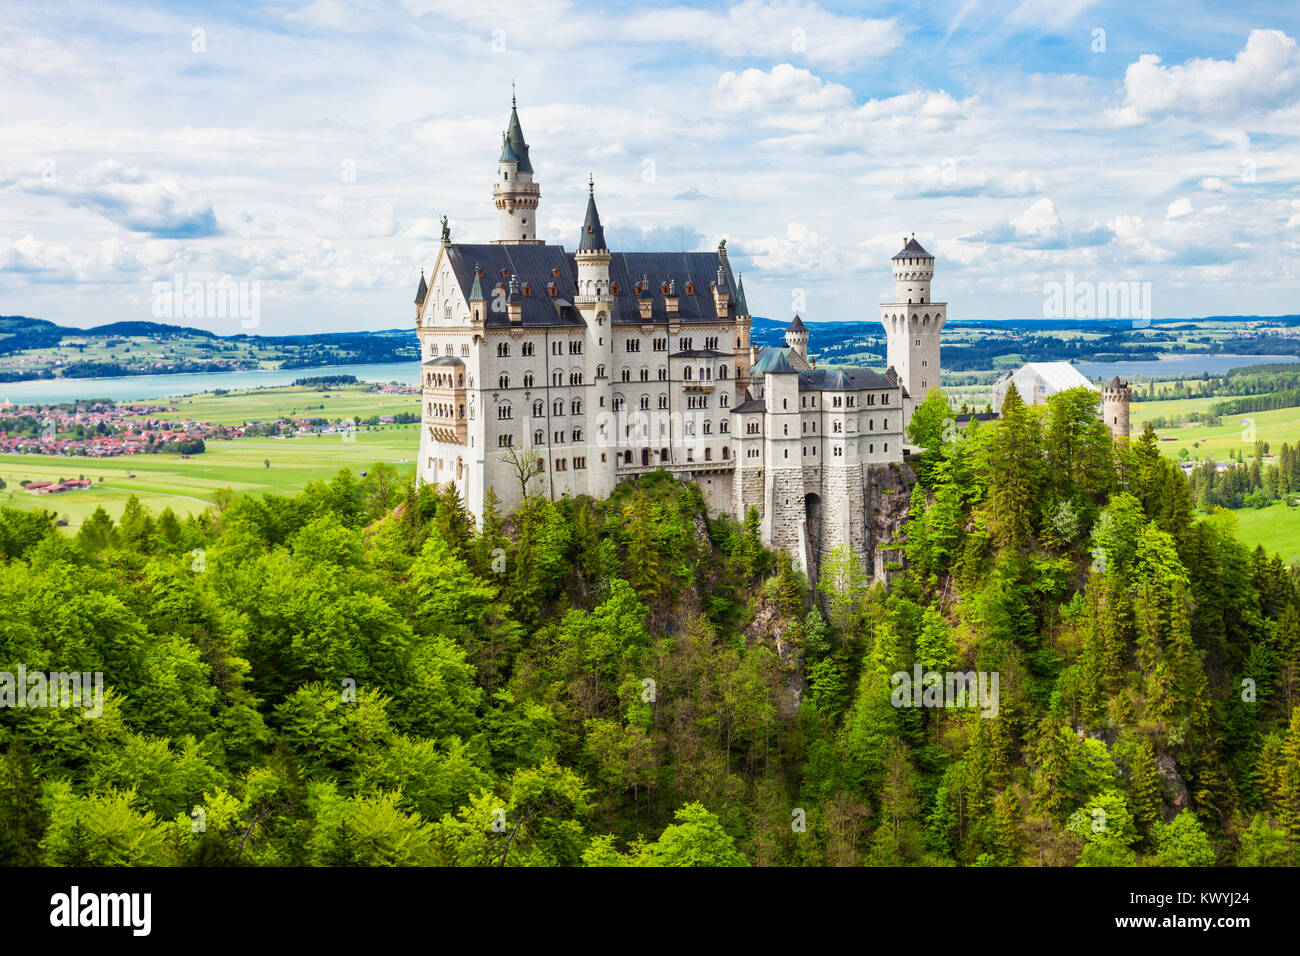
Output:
x=1039 y=381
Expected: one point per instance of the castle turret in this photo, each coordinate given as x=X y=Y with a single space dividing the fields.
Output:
x=913 y=323
x=514 y=192
x=592 y=255
x=796 y=337
x=1115 y=398
x=420 y=294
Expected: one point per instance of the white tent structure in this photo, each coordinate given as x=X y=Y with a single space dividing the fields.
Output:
x=1038 y=381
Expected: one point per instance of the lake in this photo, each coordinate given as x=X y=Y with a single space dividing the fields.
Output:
x=1174 y=365
x=139 y=387
x=136 y=387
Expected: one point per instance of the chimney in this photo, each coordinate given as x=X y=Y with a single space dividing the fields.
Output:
x=516 y=302
x=721 y=296
x=644 y=299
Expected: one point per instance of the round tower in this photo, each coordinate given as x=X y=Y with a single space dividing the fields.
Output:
x=1114 y=407
x=796 y=337
x=913 y=269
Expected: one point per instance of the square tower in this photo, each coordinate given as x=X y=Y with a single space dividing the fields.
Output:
x=912 y=324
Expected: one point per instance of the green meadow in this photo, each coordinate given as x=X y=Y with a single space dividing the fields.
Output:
x=1276 y=527
x=1236 y=433
x=188 y=485
x=268 y=404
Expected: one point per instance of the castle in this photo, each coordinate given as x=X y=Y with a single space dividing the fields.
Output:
x=552 y=373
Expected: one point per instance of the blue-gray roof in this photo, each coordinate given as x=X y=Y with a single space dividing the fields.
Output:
x=843 y=379
x=536 y=265
x=913 y=250
x=422 y=291
x=742 y=307
x=593 y=235
x=515 y=141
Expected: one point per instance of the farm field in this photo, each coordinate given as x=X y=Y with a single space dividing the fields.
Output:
x=1276 y=426
x=1276 y=527
x=188 y=485
x=268 y=404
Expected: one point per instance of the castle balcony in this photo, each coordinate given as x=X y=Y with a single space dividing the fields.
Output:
x=705 y=386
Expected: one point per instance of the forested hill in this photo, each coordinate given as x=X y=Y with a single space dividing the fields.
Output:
x=354 y=676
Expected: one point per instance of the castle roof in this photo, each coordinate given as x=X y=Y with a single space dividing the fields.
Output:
x=515 y=141
x=422 y=291
x=843 y=380
x=749 y=406
x=913 y=250
x=540 y=266
x=742 y=308
x=593 y=234
x=443 y=360
x=772 y=360
x=797 y=325
x=1116 y=383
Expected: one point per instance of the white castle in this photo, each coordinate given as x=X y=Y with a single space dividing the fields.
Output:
x=553 y=373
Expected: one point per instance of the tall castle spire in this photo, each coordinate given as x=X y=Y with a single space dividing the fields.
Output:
x=514 y=192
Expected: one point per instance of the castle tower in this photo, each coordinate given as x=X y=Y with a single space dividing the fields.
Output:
x=796 y=337
x=594 y=299
x=912 y=324
x=1114 y=407
x=514 y=192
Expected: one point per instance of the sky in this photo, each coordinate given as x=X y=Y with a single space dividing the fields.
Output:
x=306 y=150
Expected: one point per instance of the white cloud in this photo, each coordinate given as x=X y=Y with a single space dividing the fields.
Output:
x=786 y=89
x=1264 y=76
x=1179 y=208
x=132 y=198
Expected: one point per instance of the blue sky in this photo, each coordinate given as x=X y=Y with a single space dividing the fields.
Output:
x=311 y=147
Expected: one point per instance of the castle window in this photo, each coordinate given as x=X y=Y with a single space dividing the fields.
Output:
x=528 y=379
x=645 y=403
x=690 y=288
x=525 y=349
x=504 y=411
x=723 y=400
x=503 y=380
x=871 y=424
x=663 y=401
x=575 y=347
x=538 y=408
x=577 y=434
x=645 y=375
x=557 y=378
x=539 y=436
x=600 y=371
x=575 y=407
x=663 y=374
x=787 y=455
x=723 y=426
x=557 y=407
x=575 y=378
x=871 y=449
x=627 y=375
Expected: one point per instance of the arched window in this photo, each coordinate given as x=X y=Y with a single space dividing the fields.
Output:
x=627 y=375
x=503 y=380
x=575 y=407
x=557 y=377
x=557 y=407
x=722 y=371
x=528 y=379
x=577 y=434
x=687 y=373
x=538 y=408
x=600 y=371
x=539 y=436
